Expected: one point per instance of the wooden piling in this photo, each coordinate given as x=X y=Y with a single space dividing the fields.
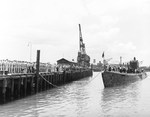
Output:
x=12 y=88
x=19 y=86
x=32 y=85
x=37 y=70
x=4 y=90
x=25 y=86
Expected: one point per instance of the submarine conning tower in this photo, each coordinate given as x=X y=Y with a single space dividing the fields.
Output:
x=134 y=64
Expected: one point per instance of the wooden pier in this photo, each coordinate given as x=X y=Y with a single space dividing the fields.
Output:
x=18 y=86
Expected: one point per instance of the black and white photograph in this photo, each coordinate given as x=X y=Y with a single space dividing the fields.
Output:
x=74 y=58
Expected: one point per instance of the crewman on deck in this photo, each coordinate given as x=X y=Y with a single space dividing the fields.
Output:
x=109 y=68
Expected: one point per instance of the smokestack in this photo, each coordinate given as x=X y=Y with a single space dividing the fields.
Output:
x=120 y=60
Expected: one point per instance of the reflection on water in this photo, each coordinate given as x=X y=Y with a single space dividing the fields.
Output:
x=84 y=98
x=122 y=98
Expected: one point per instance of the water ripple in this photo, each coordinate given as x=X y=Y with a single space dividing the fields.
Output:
x=84 y=98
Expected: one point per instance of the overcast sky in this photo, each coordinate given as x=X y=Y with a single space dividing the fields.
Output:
x=118 y=27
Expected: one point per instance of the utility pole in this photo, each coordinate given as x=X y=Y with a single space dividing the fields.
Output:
x=30 y=52
x=30 y=47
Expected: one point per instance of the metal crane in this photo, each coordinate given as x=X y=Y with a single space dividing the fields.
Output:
x=83 y=59
x=81 y=44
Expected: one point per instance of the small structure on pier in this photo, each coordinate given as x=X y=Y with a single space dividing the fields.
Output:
x=64 y=63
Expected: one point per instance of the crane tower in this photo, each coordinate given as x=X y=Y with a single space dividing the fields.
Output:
x=83 y=59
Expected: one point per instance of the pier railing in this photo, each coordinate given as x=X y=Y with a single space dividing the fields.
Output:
x=11 y=67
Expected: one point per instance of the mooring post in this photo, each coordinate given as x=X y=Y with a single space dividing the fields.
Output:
x=37 y=69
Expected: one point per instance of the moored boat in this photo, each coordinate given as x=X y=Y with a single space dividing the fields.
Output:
x=123 y=75
x=111 y=78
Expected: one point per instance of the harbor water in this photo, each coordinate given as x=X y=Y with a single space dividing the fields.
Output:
x=84 y=98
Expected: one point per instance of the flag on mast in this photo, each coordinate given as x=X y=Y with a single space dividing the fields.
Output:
x=103 y=55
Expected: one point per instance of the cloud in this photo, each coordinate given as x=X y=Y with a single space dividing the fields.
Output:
x=126 y=50
x=52 y=26
x=104 y=37
x=118 y=47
